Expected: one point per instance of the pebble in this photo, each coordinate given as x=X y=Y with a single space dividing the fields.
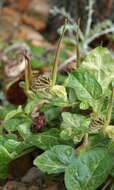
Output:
x=32 y=175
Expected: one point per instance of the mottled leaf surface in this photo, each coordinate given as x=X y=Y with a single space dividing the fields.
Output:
x=74 y=126
x=100 y=63
x=89 y=171
x=56 y=159
x=85 y=86
x=46 y=139
x=5 y=159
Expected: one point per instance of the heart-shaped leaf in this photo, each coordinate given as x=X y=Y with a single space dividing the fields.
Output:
x=100 y=63
x=56 y=159
x=74 y=126
x=89 y=171
x=85 y=86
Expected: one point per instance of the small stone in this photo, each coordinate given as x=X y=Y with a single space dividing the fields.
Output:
x=13 y=185
x=21 y=186
x=10 y=185
x=33 y=187
x=33 y=22
x=32 y=175
x=39 y=7
x=34 y=37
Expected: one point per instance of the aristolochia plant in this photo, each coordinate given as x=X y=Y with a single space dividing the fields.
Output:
x=80 y=142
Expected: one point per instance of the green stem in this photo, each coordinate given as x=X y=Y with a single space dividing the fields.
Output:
x=54 y=70
x=28 y=71
x=110 y=105
x=85 y=141
x=77 y=47
x=25 y=152
x=26 y=77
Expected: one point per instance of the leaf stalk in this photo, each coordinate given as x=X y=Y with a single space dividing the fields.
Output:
x=54 y=70
x=110 y=105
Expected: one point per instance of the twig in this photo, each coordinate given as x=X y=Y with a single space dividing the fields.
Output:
x=25 y=48
x=21 y=46
x=62 y=12
x=107 y=184
x=88 y=41
x=66 y=62
x=90 y=13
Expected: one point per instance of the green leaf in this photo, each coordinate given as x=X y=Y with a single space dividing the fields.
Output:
x=98 y=140
x=14 y=113
x=46 y=139
x=72 y=95
x=51 y=113
x=55 y=160
x=100 y=63
x=24 y=129
x=89 y=171
x=59 y=102
x=12 y=124
x=59 y=91
x=4 y=138
x=30 y=105
x=74 y=126
x=12 y=144
x=84 y=105
x=5 y=159
x=85 y=85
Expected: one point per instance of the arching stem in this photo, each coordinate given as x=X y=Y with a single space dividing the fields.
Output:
x=57 y=54
x=110 y=105
x=77 y=47
x=28 y=71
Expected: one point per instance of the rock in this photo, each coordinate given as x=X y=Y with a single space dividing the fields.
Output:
x=39 y=7
x=34 y=37
x=10 y=185
x=9 y=22
x=21 y=5
x=33 y=187
x=21 y=186
x=11 y=16
x=50 y=185
x=32 y=175
x=29 y=34
x=13 y=185
x=36 y=23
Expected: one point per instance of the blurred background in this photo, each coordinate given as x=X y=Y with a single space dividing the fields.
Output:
x=28 y=19
x=33 y=27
